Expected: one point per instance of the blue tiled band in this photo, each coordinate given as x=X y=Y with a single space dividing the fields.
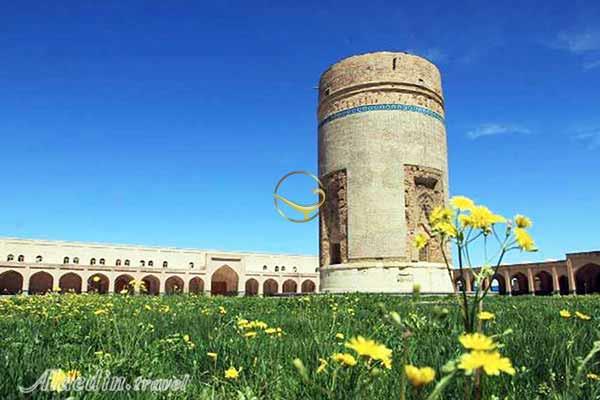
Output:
x=382 y=107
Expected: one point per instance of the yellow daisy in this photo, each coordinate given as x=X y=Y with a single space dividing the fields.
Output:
x=476 y=341
x=522 y=221
x=565 y=313
x=485 y=316
x=419 y=376
x=344 y=359
x=462 y=203
x=232 y=373
x=491 y=362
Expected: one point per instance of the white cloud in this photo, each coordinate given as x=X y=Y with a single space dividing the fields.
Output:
x=585 y=44
x=579 y=42
x=496 y=129
x=591 y=137
x=591 y=64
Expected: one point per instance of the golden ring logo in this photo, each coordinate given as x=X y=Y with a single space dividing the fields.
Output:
x=305 y=210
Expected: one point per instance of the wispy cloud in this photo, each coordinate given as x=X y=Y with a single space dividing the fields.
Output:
x=584 y=44
x=591 y=64
x=591 y=137
x=492 y=129
x=578 y=42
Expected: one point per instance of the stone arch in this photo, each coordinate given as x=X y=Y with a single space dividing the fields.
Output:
x=474 y=284
x=40 y=283
x=459 y=284
x=122 y=284
x=498 y=284
x=152 y=284
x=70 y=283
x=174 y=285
x=11 y=282
x=251 y=287
x=224 y=281
x=196 y=285
x=587 y=279
x=308 y=286
x=519 y=284
x=270 y=287
x=98 y=283
x=543 y=283
x=563 y=285
x=290 y=286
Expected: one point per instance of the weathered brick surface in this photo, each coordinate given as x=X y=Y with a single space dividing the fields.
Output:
x=369 y=79
x=381 y=152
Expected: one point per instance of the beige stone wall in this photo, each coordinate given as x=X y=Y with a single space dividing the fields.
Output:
x=206 y=264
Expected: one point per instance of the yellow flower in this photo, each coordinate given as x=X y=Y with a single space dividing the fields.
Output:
x=485 y=316
x=58 y=380
x=440 y=214
x=322 y=365
x=522 y=221
x=138 y=285
x=582 y=316
x=232 y=373
x=212 y=355
x=565 y=313
x=593 y=377
x=476 y=341
x=371 y=349
x=419 y=376
x=72 y=375
x=250 y=334
x=269 y=331
x=339 y=336
x=100 y=312
x=345 y=359
x=222 y=310
x=482 y=218
x=462 y=203
x=491 y=362
x=420 y=240
x=445 y=228
x=524 y=240
x=56 y=288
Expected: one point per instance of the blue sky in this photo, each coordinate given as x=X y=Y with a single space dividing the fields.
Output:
x=170 y=123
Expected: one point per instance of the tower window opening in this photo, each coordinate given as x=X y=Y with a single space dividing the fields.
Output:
x=394 y=64
x=335 y=253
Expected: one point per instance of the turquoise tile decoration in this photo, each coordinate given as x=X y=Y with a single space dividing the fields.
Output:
x=382 y=107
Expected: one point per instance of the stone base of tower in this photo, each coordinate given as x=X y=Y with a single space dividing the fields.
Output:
x=385 y=277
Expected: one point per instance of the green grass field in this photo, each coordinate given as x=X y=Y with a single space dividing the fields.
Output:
x=145 y=336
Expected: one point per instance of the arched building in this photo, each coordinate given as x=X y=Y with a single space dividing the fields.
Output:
x=40 y=266
x=578 y=273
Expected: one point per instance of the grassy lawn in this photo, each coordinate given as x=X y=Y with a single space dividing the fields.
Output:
x=162 y=337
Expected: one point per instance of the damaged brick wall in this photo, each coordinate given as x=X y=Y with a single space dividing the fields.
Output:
x=424 y=190
x=333 y=220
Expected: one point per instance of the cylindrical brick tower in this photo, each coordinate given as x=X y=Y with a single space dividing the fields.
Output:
x=383 y=164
